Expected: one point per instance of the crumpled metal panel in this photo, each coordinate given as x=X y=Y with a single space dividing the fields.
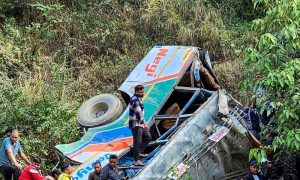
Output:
x=215 y=163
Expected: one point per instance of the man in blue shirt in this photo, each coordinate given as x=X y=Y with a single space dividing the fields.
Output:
x=138 y=125
x=110 y=171
x=9 y=166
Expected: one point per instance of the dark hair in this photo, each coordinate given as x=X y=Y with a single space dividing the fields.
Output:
x=55 y=173
x=64 y=166
x=37 y=160
x=97 y=162
x=113 y=156
x=138 y=88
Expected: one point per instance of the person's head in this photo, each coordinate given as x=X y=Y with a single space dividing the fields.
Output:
x=266 y=162
x=37 y=162
x=139 y=90
x=55 y=173
x=253 y=167
x=97 y=167
x=66 y=168
x=14 y=136
x=269 y=163
x=113 y=160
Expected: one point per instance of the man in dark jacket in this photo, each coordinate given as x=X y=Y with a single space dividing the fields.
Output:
x=253 y=172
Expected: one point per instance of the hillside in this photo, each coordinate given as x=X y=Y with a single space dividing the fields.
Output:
x=56 y=54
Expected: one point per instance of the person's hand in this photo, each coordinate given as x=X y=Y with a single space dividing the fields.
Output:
x=19 y=166
x=120 y=172
x=146 y=126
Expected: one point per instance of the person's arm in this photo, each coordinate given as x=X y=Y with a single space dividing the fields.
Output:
x=10 y=154
x=146 y=126
x=24 y=157
x=138 y=111
x=13 y=158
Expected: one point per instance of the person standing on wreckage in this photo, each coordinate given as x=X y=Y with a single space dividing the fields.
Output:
x=138 y=126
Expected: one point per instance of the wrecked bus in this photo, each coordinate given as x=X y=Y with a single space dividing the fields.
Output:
x=195 y=125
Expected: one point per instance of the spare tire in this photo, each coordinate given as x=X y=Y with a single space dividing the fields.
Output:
x=99 y=110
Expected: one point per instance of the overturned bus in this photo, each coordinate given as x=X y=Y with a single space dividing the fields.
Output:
x=196 y=126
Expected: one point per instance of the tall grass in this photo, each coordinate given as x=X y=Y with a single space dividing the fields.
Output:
x=55 y=54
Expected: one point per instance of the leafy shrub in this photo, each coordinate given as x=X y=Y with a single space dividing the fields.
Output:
x=275 y=60
x=55 y=54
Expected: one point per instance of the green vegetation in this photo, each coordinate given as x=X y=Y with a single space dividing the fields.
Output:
x=275 y=59
x=55 y=54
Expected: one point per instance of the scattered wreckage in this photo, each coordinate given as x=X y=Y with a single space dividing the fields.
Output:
x=196 y=126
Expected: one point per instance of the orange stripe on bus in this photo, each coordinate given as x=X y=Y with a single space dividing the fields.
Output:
x=114 y=146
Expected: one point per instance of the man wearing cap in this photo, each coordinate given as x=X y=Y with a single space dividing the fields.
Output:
x=253 y=172
x=66 y=171
x=9 y=166
x=31 y=172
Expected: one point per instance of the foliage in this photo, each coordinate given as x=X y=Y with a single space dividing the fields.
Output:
x=37 y=96
x=274 y=64
x=236 y=10
x=259 y=154
x=43 y=119
x=55 y=54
